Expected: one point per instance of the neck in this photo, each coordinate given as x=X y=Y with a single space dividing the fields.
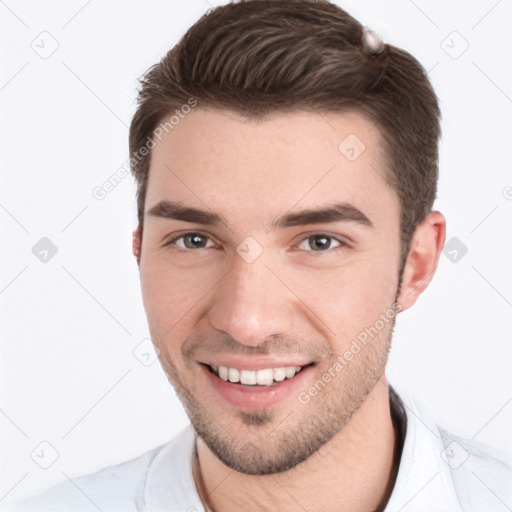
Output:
x=354 y=471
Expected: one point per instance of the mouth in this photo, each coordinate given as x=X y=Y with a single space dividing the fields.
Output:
x=261 y=378
x=258 y=387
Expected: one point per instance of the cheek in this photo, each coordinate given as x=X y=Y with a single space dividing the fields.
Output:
x=170 y=295
x=344 y=301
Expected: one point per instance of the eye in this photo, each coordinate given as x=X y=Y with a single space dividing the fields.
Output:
x=190 y=240
x=320 y=242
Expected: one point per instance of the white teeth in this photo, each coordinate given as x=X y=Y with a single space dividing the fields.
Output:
x=263 y=377
x=279 y=374
x=247 y=377
x=289 y=372
x=233 y=375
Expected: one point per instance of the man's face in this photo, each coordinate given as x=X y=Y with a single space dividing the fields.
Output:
x=252 y=285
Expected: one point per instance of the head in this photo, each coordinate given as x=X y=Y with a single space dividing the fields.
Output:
x=265 y=113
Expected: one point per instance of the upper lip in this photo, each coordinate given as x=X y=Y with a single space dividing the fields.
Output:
x=255 y=363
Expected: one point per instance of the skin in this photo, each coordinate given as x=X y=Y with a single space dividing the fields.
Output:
x=336 y=451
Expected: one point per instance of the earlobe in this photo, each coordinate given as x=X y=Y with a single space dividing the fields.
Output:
x=426 y=246
x=136 y=243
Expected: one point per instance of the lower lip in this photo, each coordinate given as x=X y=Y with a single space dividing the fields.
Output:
x=258 y=397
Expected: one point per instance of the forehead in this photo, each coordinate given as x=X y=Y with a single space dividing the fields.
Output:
x=252 y=170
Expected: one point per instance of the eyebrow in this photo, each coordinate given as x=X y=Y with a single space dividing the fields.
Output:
x=336 y=212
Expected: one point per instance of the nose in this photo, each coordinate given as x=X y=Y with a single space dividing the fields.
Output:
x=252 y=304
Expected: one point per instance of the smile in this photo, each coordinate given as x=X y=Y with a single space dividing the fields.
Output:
x=262 y=377
x=258 y=386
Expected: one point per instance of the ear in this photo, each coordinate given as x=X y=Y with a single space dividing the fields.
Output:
x=136 y=243
x=425 y=250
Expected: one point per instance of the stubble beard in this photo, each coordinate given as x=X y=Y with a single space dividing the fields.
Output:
x=280 y=440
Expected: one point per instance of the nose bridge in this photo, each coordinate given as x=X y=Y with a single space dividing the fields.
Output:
x=250 y=303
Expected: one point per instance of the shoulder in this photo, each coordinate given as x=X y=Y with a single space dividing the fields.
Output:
x=111 y=489
x=481 y=476
x=453 y=473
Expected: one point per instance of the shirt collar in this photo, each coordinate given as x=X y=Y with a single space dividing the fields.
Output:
x=423 y=479
x=170 y=484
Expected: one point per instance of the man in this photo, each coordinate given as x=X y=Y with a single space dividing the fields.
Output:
x=286 y=163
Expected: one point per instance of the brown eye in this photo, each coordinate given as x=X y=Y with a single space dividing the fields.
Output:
x=194 y=241
x=189 y=241
x=320 y=243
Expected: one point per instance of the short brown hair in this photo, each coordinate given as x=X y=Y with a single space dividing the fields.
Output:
x=261 y=56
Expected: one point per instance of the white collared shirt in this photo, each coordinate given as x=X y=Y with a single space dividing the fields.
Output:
x=438 y=472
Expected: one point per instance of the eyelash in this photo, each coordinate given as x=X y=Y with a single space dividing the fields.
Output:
x=173 y=241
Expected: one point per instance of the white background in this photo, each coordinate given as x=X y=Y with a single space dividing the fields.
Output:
x=69 y=326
